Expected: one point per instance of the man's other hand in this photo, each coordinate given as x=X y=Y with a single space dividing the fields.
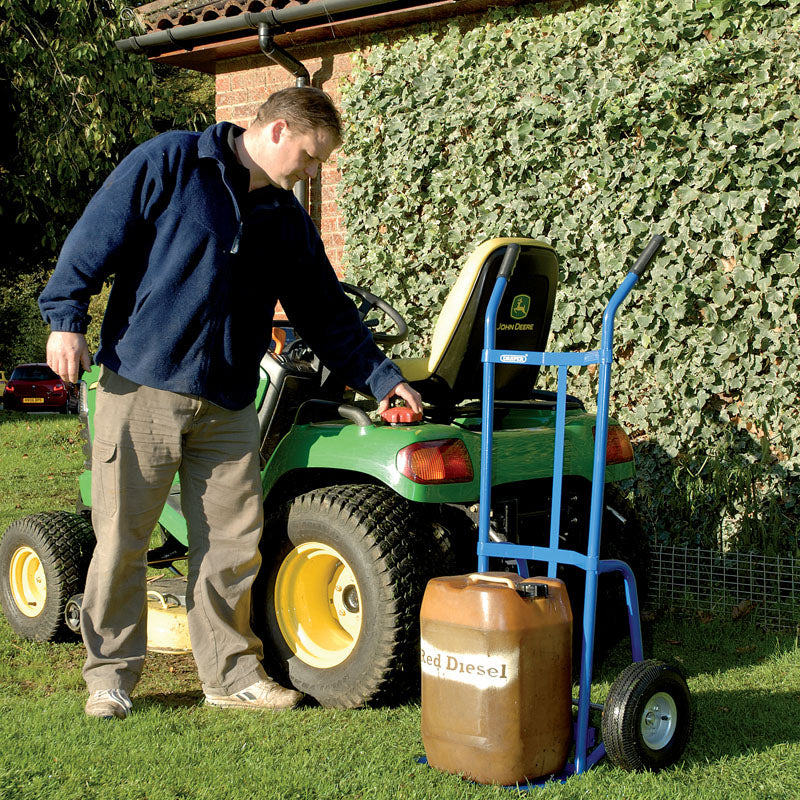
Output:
x=405 y=392
x=66 y=354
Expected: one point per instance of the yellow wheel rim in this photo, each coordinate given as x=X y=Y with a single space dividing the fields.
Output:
x=318 y=605
x=28 y=582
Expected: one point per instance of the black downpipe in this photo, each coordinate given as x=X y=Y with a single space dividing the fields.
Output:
x=282 y=58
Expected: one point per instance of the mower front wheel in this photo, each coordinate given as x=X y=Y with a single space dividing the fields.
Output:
x=337 y=601
x=43 y=562
x=647 y=718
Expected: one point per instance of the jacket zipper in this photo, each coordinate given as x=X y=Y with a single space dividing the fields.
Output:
x=234 y=249
x=237 y=238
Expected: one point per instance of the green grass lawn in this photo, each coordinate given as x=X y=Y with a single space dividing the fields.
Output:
x=745 y=681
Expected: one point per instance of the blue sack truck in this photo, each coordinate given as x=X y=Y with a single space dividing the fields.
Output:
x=647 y=716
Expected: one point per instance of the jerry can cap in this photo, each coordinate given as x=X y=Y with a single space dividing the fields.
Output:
x=533 y=590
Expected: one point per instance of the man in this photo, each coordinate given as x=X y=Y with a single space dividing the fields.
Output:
x=203 y=237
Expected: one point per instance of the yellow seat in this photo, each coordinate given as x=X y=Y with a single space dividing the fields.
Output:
x=452 y=372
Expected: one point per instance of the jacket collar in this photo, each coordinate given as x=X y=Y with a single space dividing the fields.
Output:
x=214 y=144
x=214 y=141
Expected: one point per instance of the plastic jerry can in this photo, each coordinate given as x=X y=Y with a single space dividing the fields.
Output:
x=496 y=655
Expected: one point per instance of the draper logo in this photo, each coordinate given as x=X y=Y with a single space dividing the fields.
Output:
x=520 y=306
x=508 y=359
x=481 y=670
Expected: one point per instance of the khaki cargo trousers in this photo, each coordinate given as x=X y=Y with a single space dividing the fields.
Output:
x=142 y=437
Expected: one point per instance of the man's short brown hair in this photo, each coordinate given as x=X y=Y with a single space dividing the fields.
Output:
x=304 y=108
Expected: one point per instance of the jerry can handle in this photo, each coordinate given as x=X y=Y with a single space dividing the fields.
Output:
x=530 y=590
x=477 y=576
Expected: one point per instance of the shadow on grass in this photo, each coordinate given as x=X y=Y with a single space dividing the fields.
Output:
x=192 y=699
x=170 y=699
x=738 y=722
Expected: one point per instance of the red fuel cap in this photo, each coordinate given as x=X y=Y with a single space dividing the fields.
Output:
x=401 y=415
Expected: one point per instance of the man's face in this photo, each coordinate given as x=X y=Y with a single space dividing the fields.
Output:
x=291 y=155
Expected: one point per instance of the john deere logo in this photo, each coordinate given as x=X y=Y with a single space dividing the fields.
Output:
x=520 y=306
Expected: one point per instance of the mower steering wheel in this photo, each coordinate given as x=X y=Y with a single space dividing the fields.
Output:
x=370 y=301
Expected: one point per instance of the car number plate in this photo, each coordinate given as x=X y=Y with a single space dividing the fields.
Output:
x=33 y=399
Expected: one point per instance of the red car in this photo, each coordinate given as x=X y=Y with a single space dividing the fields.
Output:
x=35 y=387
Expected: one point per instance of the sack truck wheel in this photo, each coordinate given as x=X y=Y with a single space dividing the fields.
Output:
x=337 y=601
x=647 y=718
x=43 y=563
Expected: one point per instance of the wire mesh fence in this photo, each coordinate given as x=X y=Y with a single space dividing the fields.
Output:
x=732 y=584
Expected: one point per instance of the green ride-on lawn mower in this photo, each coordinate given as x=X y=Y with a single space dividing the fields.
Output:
x=361 y=513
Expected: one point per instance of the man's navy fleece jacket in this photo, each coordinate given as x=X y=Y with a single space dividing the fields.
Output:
x=199 y=264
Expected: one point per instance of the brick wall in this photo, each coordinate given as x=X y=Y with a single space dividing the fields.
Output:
x=244 y=83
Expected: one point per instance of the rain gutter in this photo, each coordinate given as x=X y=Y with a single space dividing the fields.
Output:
x=281 y=18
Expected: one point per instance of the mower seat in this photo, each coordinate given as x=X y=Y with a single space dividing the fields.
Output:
x=453 y=372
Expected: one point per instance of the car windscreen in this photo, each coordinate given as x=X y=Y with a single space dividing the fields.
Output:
x=35 y=372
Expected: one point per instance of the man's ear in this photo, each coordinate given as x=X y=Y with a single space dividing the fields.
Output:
x=279 y=128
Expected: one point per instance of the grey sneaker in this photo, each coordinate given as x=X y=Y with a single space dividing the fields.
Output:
x=109 y=703
x=266 y=695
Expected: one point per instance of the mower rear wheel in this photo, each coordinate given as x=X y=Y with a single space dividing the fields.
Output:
x=337 y=600
x=43 y=562
x=647 y=718
x=318 y=604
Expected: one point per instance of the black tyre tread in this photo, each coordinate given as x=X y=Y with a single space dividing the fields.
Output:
x=408 y=567
x=64 y=543
x=621 y=716
x=456 y=536
x=406 y=555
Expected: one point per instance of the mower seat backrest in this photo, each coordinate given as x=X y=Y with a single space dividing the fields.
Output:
x=453 y=372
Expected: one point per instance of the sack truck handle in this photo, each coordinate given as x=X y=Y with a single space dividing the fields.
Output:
x=648 y=254
x=509 y=261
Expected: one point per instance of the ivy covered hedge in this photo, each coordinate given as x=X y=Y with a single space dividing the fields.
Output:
x=592 y=126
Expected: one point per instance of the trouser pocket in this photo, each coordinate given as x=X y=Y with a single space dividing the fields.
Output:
x=104 y=477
